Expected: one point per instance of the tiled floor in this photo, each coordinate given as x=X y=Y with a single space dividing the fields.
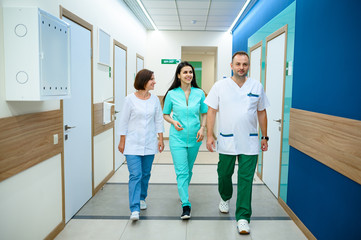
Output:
x=106 y=215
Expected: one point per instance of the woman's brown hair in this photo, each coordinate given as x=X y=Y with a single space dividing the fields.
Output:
x=142 y=78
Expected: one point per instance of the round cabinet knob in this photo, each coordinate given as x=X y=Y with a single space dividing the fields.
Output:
x=20 y=30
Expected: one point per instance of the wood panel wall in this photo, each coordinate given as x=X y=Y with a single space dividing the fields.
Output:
x=333 y=141
x=27 y=140
x=98 y=119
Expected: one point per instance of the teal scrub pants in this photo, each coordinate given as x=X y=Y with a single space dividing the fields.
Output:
x=183 y=159
x=246 y=167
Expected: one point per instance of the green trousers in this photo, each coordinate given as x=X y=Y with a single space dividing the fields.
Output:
x=246 y=168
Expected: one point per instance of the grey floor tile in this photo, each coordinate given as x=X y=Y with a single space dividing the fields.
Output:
x=207 y=230
x=155 y=230
x=163 y=174
x=280 y=230
x=93 y=229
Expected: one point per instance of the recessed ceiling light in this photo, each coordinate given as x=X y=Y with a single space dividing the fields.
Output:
x=146 y=14
x=239 y=15
x=194 y=21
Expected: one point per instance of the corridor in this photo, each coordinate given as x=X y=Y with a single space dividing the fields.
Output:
x=106 y=215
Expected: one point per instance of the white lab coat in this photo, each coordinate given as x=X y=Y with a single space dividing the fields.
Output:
x=140 y=122
x=237 y=115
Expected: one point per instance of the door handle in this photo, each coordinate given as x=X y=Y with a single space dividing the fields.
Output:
x=279 y=120
x=66 y=127
x=115 y=112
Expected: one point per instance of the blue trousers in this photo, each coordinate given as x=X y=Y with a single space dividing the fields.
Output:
x=183 y=159
x=139 y=174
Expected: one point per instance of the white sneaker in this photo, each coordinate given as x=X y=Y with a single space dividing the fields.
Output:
x=243 y=227
x=224 y=206
x=143 y=205
x=134 y=216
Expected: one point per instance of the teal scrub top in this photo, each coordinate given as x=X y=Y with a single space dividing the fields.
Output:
x=187 y=115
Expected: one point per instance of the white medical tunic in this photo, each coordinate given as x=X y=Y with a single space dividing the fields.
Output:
x=237 y=115
x=141 y=121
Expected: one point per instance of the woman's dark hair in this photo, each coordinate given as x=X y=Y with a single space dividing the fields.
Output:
x=142 y=78
x=177 y=82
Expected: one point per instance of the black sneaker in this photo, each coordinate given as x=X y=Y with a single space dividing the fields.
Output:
x=186 y=212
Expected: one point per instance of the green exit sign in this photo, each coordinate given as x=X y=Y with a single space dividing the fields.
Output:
x=170 y=61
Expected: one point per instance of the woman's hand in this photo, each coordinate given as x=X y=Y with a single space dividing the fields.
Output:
x=160 y=146
x=211 y=146
x=121 y=145
x=177 y=126
x=200 y=134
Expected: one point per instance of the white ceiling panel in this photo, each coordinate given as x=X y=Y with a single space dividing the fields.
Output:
x=191 y=18
x=224 y=11
x=157 y=11
x=193 y=12
x=165 y=18
x=168 y=22
x=210 y=15
x=227 y=4
x=158 y=4
x=219 y=18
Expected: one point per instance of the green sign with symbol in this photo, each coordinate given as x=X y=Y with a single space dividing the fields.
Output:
x=170 y=61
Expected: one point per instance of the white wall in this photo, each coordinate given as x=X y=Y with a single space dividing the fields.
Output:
x=168 y=45
x=114 y=17
x=31 y=202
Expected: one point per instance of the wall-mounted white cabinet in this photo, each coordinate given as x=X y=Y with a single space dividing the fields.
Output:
x=37 y=55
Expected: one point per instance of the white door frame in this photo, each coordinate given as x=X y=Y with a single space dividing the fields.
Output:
x=257 y=46
x=117 y=109
x=282 y=30
x=253 y=48
x=139 y=62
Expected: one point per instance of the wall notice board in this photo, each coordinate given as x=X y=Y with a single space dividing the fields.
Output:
x=104 y=47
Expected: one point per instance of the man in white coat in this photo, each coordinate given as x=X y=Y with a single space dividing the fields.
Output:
x=239 y=101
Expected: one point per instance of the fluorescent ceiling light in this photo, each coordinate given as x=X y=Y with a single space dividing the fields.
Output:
x=239 y=15
x=146 y=14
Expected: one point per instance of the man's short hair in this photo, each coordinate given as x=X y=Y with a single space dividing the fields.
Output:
x=240 y=53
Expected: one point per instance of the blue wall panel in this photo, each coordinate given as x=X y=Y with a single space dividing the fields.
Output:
x=327 y=76
x=328 y=203
x=262 y=12
x=326 y=79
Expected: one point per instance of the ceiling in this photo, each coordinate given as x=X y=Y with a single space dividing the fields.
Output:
x=188 y=15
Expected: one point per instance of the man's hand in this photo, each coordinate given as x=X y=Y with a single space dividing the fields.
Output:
x=264 y=145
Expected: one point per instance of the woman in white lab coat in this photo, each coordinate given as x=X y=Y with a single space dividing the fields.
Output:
x=140 y=122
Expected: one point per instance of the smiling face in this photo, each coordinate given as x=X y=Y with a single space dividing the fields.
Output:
x=186 y=75
x=240 y=66
x=150 y=84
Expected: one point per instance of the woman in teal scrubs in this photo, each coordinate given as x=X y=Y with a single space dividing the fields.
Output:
x=186 y=100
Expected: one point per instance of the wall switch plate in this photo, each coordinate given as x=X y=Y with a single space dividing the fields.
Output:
x=56 y=138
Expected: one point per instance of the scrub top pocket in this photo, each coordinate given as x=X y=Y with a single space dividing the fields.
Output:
x=225 y=143
x=252 y=101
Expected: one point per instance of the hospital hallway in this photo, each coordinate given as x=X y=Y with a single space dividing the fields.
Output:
x=106 y=215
